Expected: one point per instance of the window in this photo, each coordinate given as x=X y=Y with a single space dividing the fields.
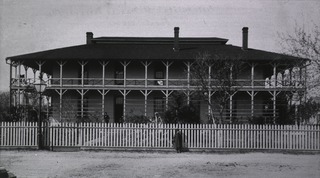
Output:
x=159 y=105
x=119 y=75
x=159 y=74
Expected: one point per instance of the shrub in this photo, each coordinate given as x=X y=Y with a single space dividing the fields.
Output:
x=137 y=119
x=184 y=114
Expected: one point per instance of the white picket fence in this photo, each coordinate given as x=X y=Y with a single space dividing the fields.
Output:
x=195 y=136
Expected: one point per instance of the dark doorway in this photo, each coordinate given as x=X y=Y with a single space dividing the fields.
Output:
x=118 y=109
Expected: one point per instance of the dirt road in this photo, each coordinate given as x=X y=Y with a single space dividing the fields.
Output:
x=146 y=164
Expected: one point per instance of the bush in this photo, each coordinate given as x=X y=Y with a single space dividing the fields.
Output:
x=137 y=119
x=184 y=114
x=180 y=112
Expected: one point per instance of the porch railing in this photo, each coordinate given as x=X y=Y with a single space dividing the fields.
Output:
x=111 y=82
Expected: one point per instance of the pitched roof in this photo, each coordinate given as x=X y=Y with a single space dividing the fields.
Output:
x=121 y=48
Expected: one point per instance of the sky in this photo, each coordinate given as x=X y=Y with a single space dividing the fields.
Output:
x=37 y=25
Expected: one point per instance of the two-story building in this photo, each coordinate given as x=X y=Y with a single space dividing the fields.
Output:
x=122 y=76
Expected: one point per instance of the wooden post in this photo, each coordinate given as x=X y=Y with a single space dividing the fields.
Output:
x=82 y=63
x=252 y=95
x=210 y=94
x=231 y=106
x=103 y=93
x=125 y=64
x=167 y=64
x=10 y=84
x=61 y=64
x=187 y=93
x=26 y=72
x=188 y=64
x=275 y=75
x=252 y=74
x=146 y=65
x=82 y=93
x=124 y=93
x=103 y=64
x=145 y=94
x=167 y=94
x=60 y=92
x=274 y=98
x=19 y=83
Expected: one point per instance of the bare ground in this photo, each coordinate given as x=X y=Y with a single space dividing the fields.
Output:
x=158 y=164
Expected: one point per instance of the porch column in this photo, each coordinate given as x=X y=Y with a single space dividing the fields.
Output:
x=167 y=93
x=146 y=65
x=145 y=94
x=61 y=64
x=15 y=71
x=125 y=64
x=10 y=84
x=82 y=92
x=231 y=105
x=124 y=93
x=60 y=92
x=210 y=114
x=252 y=95
x=252 y=74
x=274 y=106
x=103 y=93
x=26 y=73
x=209 y=91
x=188 y=64
x=15 y=82
x=82 y=63
x=34 y=75
x=274 y=100
x=275 y=75
x=167 y=64
x=104 y=64
x=19 y=83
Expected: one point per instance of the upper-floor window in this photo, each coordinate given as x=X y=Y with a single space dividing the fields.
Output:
x=119 y=75
x=159 y=74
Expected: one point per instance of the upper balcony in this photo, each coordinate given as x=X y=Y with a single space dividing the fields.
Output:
x=155 y=84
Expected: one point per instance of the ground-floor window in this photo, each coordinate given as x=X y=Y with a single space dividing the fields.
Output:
x=159 y=105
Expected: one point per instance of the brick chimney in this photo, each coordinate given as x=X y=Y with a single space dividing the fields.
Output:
x=176 y=39
x=89 y=37
x=245 y=38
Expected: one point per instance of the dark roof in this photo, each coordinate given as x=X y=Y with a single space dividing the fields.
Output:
x=121 y=48
x=158 y=40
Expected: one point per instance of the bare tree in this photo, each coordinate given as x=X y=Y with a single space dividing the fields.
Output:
x=305 y=43
x=215 y=77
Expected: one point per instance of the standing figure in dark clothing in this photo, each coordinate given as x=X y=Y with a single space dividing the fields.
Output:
x=177 y=139
x=106 y=117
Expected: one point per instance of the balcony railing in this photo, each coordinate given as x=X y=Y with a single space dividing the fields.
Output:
x=154 y=83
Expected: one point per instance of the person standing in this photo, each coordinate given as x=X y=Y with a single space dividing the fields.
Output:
x=106 y=117
x=177 y=139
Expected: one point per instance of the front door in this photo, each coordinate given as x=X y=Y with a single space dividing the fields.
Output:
x=118 y=109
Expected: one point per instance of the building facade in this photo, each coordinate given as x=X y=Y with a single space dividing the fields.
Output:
x=125 y=76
